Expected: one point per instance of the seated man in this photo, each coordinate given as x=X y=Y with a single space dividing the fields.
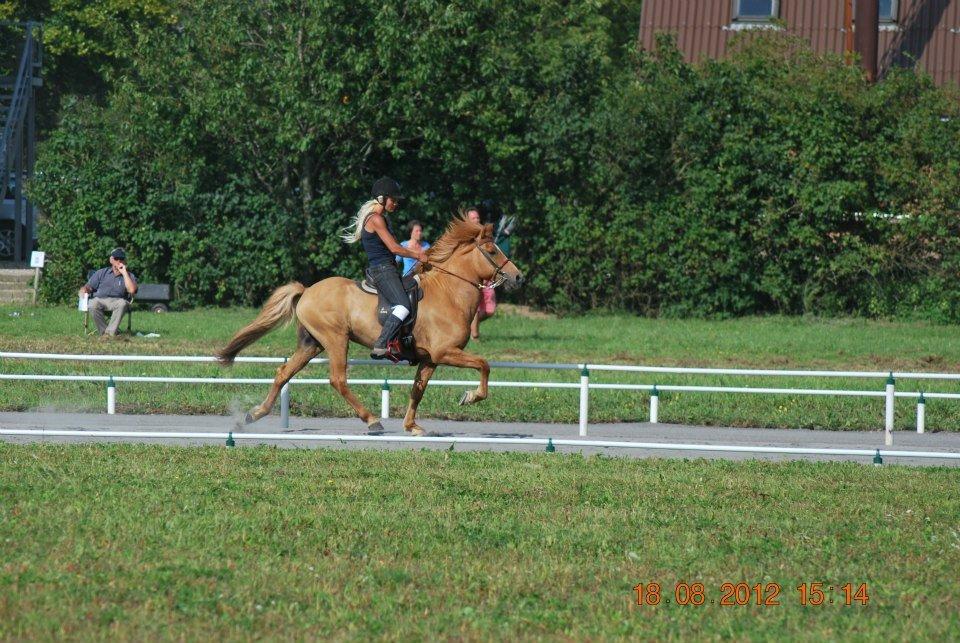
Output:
x=112 y=288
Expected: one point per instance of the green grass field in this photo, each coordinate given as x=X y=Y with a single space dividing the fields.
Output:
x=135 y=542
x=782 y=343
x=149 y=542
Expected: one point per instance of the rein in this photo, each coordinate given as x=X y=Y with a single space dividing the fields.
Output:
x=499 y=275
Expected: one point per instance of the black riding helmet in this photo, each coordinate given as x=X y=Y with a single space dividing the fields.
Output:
x=385 y=186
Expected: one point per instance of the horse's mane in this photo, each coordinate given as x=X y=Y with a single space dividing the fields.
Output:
x=458 y=232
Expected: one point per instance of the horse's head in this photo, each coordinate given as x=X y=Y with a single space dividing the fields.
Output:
x=467 y=251
x=496 y=266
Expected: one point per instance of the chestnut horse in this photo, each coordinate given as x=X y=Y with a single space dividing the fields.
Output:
x=333 y=312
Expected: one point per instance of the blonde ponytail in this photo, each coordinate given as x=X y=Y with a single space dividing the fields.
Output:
x=351 y=233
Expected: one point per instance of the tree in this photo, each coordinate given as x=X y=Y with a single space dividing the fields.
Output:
x=243 y=114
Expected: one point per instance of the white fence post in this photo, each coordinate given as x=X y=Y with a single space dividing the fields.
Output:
x=111 y=397
x=584 y=399
x=888 y=424
x=285 y=406
x=654 y=405
x=385 y=400
x=921 y=413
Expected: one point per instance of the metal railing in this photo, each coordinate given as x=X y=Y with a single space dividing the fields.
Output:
x=584 y=386
x=553 y=366
x=16 y=115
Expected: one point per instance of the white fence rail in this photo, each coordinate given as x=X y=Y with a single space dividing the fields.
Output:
x=549 y=443
x=584 y=386
x=679 y=370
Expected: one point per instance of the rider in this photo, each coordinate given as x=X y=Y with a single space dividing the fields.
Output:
x=372 y=229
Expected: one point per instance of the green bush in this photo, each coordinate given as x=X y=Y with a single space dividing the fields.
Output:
x=223 y=246
x=238 y=139
x=774 y=181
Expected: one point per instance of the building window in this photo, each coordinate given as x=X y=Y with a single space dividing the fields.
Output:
x=888 y=10
x=756 y=9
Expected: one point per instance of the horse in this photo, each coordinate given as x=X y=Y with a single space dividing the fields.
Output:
x=335 y=311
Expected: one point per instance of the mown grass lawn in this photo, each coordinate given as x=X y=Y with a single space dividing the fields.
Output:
x=145 y=542
x=774 y=342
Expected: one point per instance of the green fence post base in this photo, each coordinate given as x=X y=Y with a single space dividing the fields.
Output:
x=230 y=442
x=550 y=447
x=877 y=460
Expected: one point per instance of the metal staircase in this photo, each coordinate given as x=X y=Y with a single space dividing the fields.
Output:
x=17 y=146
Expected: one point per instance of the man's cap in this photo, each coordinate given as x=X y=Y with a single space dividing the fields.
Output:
x=118 y=253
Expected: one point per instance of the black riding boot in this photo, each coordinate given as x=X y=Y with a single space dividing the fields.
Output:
x=390 y=328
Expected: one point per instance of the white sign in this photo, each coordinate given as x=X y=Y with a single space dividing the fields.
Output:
x=83 y=302
x=37 y=258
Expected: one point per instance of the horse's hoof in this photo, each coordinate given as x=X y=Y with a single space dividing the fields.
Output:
x=466 y=398
x=248 y=419
x=416 y=430
x=375 y=427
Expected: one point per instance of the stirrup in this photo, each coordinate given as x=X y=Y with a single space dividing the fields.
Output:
x=394 y=352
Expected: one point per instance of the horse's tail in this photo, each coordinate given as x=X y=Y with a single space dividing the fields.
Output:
x=278 y=309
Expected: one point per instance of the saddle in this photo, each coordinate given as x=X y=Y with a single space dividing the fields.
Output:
x=402 y=347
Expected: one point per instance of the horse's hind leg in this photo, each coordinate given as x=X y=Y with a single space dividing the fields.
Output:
x=424 y=372
x=337 y=350
x=307 y=349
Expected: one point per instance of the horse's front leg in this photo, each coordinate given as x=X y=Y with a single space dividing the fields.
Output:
x=459 y=358
x=424 y=372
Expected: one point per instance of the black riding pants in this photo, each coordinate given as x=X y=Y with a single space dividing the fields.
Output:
x=386 y=278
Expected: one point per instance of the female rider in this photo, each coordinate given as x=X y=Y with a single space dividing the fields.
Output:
x=372 y=229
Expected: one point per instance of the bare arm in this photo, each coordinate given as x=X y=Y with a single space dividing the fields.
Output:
x=378 y=225
x=128 y=281
x=86 y=288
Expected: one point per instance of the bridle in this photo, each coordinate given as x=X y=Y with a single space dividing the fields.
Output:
x=499 y=276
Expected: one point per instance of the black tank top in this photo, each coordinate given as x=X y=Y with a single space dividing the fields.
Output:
x=377 y=252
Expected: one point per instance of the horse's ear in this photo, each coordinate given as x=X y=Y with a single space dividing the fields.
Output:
x=486 y=232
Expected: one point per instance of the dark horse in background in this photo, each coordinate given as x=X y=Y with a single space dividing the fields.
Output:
x=333 y=312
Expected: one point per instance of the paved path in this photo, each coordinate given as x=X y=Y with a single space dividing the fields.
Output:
x=634 y=432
